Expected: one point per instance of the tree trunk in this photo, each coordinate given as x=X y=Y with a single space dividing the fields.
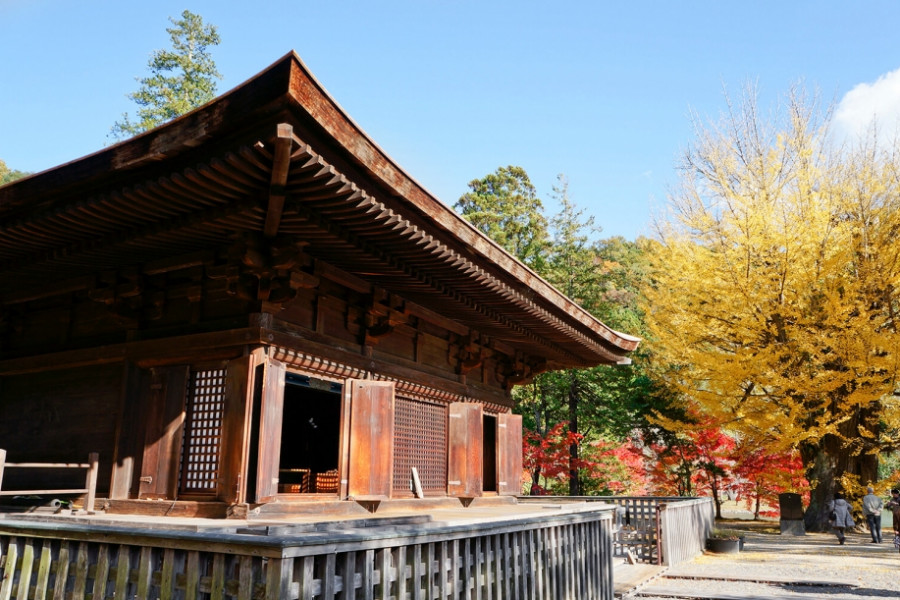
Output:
x=574 y=484
x=759 y=493
x=828 y=461
x=714 y=489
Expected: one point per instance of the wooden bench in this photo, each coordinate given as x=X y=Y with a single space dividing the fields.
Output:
x=90 y=487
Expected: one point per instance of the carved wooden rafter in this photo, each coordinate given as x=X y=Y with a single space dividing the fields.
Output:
x=280 y=168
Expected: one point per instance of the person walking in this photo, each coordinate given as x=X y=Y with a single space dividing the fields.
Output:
x=872 y=506
x=894 y=506
x=840 y=516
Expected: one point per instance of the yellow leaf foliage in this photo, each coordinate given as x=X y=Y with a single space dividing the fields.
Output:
x=773 y=292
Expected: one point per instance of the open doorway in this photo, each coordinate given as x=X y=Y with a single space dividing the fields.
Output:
x=489 y=453
x=310 y=436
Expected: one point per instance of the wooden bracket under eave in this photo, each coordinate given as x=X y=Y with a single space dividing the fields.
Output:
x=281 y=163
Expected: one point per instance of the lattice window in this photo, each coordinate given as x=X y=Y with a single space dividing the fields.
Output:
x=420 y=441
x=203 y=432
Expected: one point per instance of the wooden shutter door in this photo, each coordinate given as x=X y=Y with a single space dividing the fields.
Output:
x=509 y=454
x=235 y=432
x=464 y=438
x=370 y=439
x=270 y=421
x=164 y=427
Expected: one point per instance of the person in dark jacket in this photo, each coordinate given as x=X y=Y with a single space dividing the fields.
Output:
x=841 y=518
x=894 y=506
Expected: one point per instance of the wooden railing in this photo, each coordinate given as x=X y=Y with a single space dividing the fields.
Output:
x=662 y=530
x=89 y=489
x=683 y=526
x=564 y=554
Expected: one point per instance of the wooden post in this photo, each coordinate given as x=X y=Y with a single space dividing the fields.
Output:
x=90 y=483
x=2 y=463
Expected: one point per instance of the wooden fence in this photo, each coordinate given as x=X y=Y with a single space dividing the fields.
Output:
x=684 y=526
x=89 y=489
x=654 y=529
x=559 y=556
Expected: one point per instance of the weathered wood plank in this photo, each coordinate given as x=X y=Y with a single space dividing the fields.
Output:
x=41 y=584
x=217 y=582
x=279 y=578
x=403 y=573
x=430 y=560
x=245 y=578
x=368 y=575
x=9 y=570
x=192 y=575
x=328 y=577
x=62 y=572
x=348 y=578
x=478 y=568
x=26 y=565
x=81 y=570
x=383 y=558
x=516 y=559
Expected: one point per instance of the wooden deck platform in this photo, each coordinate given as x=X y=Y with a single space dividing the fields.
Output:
x=543 y=552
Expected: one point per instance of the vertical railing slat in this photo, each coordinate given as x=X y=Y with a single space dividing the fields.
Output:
x=42 y=583
x=192 y=575
x=26 y=565
x=245 y=578
x=217 y=583
x=81 y=570
x=62 y=572
x=167 y=575
x=9 y=571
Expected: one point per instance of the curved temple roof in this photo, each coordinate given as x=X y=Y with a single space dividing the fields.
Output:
x=278 y=157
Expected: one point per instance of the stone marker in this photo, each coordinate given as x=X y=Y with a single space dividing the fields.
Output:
x=791 y=514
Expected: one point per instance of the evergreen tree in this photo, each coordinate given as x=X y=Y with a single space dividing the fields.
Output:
x=181 y=78
x=505 y=206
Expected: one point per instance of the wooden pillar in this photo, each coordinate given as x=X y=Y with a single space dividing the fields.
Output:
x=90 y=481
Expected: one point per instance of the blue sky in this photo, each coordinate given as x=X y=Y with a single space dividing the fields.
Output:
x=453 y=89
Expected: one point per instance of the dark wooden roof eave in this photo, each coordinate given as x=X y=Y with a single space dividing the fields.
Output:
x=288 y=90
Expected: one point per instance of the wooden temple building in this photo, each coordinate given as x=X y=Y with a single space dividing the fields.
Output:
x=252 y=309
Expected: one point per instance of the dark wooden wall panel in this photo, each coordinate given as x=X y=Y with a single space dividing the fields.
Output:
x=60 y=416
x=400 y=344
x=301 y=311
x=434 y=351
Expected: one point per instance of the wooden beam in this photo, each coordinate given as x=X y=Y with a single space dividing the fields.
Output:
x=280 y=168
x=144 y=353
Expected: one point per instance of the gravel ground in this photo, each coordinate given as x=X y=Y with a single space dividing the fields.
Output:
x=786 y=560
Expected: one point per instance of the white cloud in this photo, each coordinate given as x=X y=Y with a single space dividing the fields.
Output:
x=866 y=103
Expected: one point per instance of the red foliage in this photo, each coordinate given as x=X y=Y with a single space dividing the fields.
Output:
x=615 y=468
x=704 y=461
x=548 y=456
x=763 y=475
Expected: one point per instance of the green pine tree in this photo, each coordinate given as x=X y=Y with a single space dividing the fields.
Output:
x=181 y=78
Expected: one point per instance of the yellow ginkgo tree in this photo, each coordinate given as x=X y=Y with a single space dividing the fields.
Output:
x=775 y=290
